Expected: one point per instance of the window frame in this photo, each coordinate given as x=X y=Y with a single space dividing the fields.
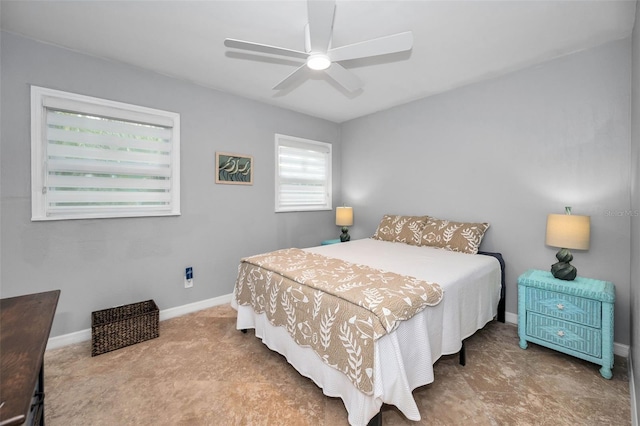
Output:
x=45 y=99
x=316 y=146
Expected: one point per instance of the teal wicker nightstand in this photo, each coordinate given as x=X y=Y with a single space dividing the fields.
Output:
x=328 y=242
x=574 y=317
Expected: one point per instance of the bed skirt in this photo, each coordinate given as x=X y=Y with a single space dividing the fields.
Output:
x=398 y=370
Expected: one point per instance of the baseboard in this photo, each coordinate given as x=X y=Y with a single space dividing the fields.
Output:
x=194 y=307
x=511 y=318
x=632 y=392
x=618 y=348
x=621 y=350
x=69 y=339
x=84 y=335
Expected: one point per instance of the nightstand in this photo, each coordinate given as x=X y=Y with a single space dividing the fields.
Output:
x=573 y=317
x=327 y=242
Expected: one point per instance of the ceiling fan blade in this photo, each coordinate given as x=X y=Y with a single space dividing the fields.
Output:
x=321 y=13
x=291 y=78
x=344 y=77
x=378 y=46
x=264 y=48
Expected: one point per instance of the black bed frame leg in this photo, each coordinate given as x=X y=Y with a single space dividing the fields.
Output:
x=501 y=310
x=463 y=355
x=376 y=420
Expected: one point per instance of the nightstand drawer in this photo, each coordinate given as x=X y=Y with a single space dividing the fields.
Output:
x=564 y=306
x=569 y=335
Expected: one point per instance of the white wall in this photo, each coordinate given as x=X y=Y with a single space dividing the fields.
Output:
x=510 y=151
x=102 y=263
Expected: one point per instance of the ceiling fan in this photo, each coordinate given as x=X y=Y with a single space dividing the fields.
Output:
x=319 y=55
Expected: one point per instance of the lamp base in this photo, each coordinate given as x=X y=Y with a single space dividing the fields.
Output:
x=563 y=270
x=344 y=237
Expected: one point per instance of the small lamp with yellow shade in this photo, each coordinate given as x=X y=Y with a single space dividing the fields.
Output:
x=344 y=218
x=567 y=231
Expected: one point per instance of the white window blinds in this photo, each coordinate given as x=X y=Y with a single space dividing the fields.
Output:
x=93 y=158
x=303 y=174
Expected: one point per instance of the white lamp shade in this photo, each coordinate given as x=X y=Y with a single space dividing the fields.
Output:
x=344 y=216
x=568 y=231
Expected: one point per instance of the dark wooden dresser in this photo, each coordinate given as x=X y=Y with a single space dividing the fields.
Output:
x=25 y=324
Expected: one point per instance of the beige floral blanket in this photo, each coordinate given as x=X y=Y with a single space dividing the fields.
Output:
x=337 y=308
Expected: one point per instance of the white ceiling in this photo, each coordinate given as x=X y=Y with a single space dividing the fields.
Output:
x=455 y=42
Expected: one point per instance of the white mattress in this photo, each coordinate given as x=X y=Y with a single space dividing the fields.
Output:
x=404 y=358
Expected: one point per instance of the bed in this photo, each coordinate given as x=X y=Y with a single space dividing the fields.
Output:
x=471 y=286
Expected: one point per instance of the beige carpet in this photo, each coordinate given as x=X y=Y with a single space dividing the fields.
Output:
x=202 y=371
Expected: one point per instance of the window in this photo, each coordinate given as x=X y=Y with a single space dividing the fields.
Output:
x=303 y=174
x=93 y=158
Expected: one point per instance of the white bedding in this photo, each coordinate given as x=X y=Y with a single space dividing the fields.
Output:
x=404 y=358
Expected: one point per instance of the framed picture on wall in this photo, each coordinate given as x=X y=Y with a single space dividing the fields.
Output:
x=234 y=169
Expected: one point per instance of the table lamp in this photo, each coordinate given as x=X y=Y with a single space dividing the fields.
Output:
x=567 y=231
x=344 y=218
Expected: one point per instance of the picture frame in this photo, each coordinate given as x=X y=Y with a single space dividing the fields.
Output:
x=234 y=169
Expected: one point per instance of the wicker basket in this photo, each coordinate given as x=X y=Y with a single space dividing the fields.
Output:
x=115 y=328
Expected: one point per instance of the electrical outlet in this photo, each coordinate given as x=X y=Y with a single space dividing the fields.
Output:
x=188 y=277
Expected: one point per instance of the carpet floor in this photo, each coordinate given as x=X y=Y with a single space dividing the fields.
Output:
x=202 y=371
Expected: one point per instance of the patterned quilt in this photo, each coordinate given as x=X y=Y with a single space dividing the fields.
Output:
x=337 y=308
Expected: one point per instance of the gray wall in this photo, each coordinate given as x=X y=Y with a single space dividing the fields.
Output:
x=635 y=207
x=510 y=151
x=102 y=263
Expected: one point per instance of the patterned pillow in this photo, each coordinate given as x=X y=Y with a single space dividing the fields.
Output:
x=454 y=236
x=400 y=229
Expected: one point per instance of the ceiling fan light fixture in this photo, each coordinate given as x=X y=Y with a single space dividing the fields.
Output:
x=320 y=55
x=318 y=62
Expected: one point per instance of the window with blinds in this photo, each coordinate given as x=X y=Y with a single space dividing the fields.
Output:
x=93 y=158
x=303 y=174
